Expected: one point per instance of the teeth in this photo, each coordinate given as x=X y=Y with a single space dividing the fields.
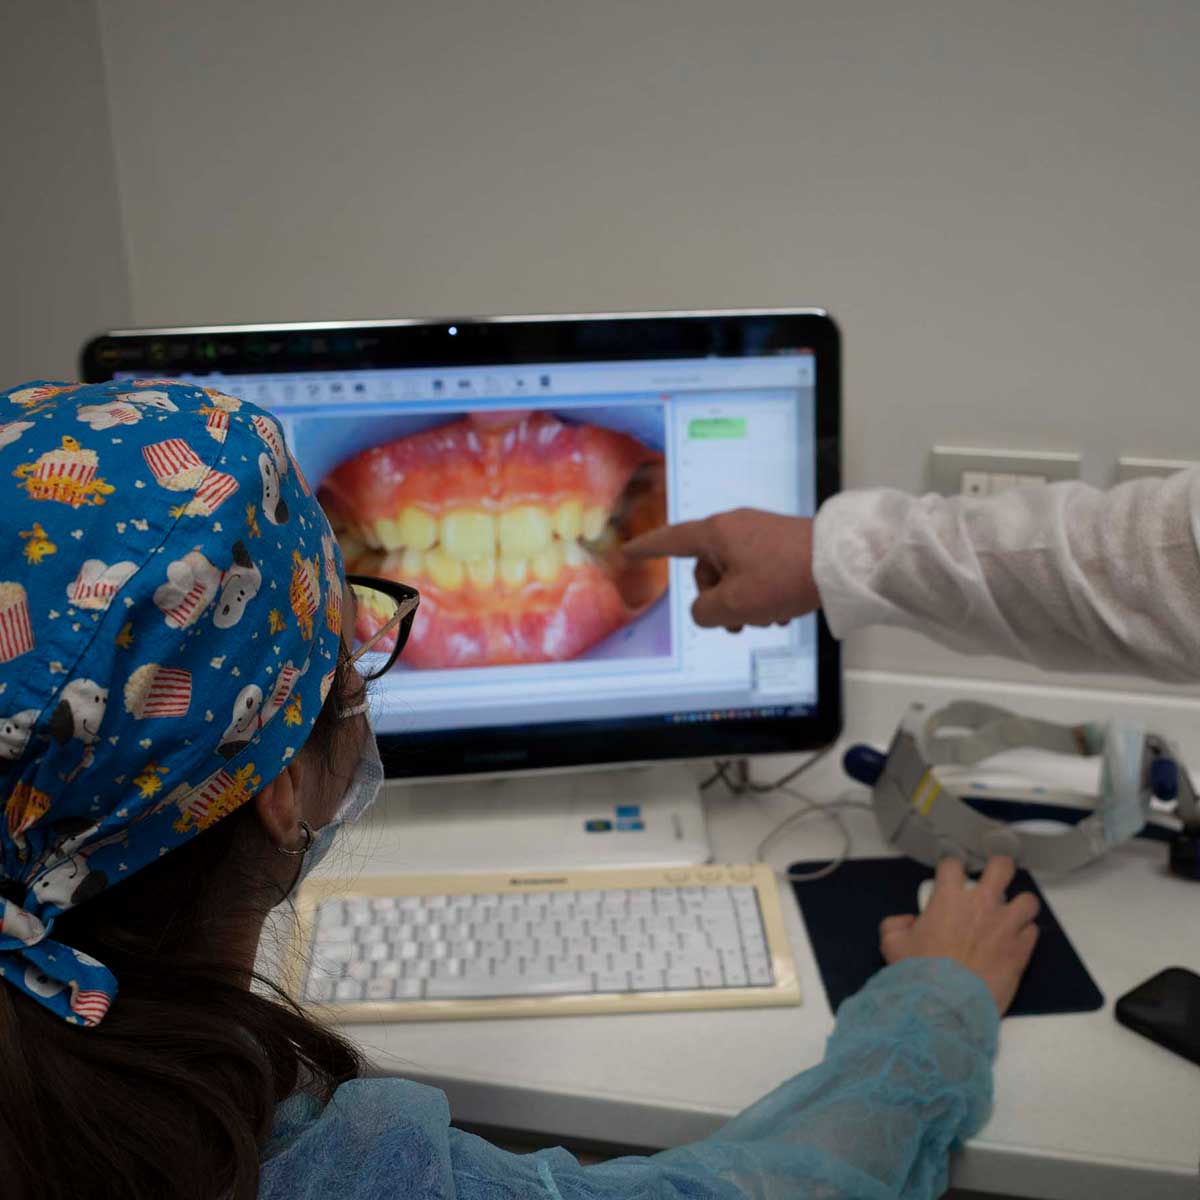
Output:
x=482 y=571
x=524 y=531
x=445 y=571
x=469 y=535
x=594 y=520
x=574 y=555
x=513 y=570
x=378 y=607
x=417 y=528
x=388 y=535
x=413 y=527
x=472 y=545
x=568 y=520
x=412 y=563
x=547 y=563
x=402 y=564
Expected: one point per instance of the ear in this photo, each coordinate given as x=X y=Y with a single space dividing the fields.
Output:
x=278 y=806
x=62 y=723
x=241 y=556
x=281 y=512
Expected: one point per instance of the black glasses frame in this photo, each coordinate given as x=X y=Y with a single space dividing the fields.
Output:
x=407 y=600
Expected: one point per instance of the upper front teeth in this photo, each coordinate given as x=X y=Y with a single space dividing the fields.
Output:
x=471 y=544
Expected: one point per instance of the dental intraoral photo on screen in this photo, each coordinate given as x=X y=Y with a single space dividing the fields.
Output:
x=504 y=495
x=509 y=522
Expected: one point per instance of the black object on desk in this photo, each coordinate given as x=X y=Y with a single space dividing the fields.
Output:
x=842 y=913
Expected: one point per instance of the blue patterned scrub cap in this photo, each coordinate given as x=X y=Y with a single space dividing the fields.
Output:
x=170 y=619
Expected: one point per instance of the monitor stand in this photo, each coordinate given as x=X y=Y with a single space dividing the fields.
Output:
x=642 y=816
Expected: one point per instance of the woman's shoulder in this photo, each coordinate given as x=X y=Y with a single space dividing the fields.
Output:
x=373 y=1135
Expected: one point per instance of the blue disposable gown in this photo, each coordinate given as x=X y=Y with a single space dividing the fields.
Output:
x=907 y=1074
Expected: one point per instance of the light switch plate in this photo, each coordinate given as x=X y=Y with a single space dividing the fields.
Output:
x=952 y=468
x=1130 y=466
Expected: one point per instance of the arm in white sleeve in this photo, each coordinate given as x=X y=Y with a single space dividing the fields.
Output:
x=1065 y=576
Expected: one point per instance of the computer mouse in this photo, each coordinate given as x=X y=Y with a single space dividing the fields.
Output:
x=925 y=890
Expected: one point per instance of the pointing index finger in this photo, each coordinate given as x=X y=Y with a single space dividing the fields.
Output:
x=688 y=539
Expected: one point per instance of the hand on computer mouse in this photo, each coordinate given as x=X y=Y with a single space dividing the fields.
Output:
x=977 y=928
x=752 y=567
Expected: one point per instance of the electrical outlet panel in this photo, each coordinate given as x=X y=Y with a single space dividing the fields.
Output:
x=1130 y=466
x=957 y=471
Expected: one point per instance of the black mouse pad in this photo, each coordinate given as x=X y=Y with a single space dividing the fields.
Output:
x=842 y=913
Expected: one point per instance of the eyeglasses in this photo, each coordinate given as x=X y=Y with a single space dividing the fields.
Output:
x=385 y=617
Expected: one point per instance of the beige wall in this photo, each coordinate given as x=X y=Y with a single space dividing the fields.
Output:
x=998 y=200
x=62 y=255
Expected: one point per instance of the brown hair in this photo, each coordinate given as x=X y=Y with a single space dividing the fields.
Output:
x=173 y=1093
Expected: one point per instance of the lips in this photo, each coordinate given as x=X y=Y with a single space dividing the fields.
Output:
x=510 y=525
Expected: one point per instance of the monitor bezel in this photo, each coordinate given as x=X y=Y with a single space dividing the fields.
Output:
x=515 y=340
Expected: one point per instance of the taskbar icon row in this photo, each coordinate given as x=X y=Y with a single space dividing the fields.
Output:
x=706 y=716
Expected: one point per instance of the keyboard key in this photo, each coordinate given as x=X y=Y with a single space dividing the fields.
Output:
x=348 y=989
x=335 y=952
x=474 y=987
x=753 y=941
x=758 y=969
x=682 y=977
x=380 y=989
x=733 y=970
x=612 y=981
x=646 y=979
x=319 y=989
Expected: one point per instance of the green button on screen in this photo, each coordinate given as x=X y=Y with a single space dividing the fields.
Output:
x=717 y=427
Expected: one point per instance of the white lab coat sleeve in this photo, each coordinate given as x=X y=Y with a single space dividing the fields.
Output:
x=1065 y=576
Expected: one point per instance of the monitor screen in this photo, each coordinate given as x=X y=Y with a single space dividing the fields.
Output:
x=503 y=490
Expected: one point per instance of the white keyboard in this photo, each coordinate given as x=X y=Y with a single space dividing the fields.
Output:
x=578 y=941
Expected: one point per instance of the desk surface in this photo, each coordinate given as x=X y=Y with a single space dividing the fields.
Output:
x=1084 y=1108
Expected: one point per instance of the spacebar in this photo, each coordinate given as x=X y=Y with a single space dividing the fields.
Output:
x=478 y=988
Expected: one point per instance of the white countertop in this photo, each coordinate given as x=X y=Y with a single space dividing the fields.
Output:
x=1084 y=1108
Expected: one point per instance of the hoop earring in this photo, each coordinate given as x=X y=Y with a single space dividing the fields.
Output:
x=308 y=837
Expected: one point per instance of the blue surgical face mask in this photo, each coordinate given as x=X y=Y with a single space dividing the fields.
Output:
x=359 y=796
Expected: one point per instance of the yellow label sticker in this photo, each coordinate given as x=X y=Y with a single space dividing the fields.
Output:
x=925 y=793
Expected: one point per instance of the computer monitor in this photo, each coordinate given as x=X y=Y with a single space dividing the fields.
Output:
x=493 y=462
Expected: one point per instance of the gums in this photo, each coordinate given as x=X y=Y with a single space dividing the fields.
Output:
x=510 y=524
